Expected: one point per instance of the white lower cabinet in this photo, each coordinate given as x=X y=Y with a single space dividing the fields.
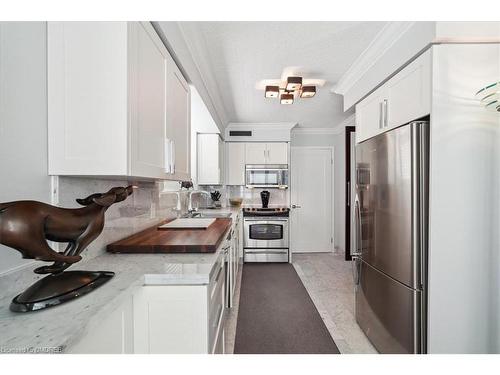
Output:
x=170 y=319
x=113 y=335
x=177 y=319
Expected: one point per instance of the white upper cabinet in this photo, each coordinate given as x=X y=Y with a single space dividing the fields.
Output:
x=266 y=153
x=403 y=98
x=409 y=92
x=114 y=108
x=209 y=159
x=179 y=121
x=277 y=153
x=238 y=154
x=255 y=153
x=235 y=161
x=148 y=102
x=369 y=115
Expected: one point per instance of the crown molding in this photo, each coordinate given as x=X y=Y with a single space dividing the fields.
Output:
x=189 y=52
x=382 y=42
x=337 y=129
x=267 y=125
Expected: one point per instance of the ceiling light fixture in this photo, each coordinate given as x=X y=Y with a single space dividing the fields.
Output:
x=293 y=83
x=286 y=99
x=272 y=91
x=288 y=89
x=308 y=91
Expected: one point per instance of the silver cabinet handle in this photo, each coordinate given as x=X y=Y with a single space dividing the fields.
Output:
x=296 y=206
x=172 y=150
x=385 y=106
x=381 y=116
x=348 y=195
x=169 y=156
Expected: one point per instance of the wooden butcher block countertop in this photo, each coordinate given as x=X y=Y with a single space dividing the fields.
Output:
x=154 y=240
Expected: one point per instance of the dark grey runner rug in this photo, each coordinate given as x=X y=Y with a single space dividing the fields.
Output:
x=276 y=314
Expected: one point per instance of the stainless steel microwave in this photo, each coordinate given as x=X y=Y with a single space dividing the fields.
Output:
x=266 y=176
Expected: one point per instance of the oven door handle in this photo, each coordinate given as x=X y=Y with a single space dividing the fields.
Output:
x=266 y=251
x=266 y=221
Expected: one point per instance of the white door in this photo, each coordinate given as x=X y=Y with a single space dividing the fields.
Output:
x=235 y=159
x=311 y=194
x=255 y=153
x=277 y=153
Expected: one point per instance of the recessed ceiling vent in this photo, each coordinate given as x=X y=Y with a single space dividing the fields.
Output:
x=240 y=133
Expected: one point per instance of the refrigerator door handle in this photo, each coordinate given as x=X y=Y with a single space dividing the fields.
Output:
x=357 y=220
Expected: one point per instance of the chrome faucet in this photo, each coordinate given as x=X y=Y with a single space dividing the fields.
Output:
x=190 y=199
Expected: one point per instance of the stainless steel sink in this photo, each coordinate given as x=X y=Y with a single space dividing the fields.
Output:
x=207 y=215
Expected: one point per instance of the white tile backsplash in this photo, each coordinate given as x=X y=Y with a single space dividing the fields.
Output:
x=146 y=207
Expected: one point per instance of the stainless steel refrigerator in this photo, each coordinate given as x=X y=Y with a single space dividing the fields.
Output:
x=391 y=215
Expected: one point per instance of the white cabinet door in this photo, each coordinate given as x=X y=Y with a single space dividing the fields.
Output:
x=403 y=98
x=113 y=335
x=409 y=92
x=255 y=153
x=208 y=154
x=277 y=153
x=179 y=121
x=171 y=320
x=87 y=98
x=369 y=115
x=235 y=161
x=148 y=84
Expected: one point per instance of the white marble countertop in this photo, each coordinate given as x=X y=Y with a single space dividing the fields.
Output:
x=56 y=328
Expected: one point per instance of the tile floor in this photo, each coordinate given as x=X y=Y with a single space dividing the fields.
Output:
x=328 y=280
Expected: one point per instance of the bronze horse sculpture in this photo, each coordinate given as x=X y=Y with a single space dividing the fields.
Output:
x=26 y=226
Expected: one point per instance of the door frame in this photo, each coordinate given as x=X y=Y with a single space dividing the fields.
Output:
x=348 y=185
x=332 y=165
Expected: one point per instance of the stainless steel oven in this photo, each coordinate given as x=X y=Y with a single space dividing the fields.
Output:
x=266 y=175
x=266 y=239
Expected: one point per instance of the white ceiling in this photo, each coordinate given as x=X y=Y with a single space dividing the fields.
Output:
x=234 y=56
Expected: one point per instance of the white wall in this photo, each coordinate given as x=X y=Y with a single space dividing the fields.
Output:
x=464 y=203
x=23 y=120
x=201 y=122
x=337 y=141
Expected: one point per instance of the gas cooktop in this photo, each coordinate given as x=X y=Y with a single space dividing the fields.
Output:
x=271 y=211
